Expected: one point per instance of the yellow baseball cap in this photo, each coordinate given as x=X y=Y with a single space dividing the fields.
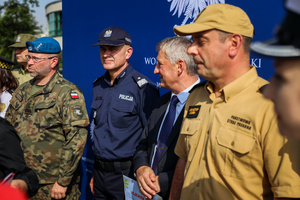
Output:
x=223 y=17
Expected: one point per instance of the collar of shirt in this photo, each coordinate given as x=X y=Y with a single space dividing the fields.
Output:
x=239 y=84
x=232 y=89
x=182 y=96
x=24 y=71
x=48 y=87
x=120 y=77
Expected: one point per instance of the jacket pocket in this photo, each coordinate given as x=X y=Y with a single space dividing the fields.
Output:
x=95 y=106
x=46 y=114
x=232 y=151
x=190 y=128
x=123 y=114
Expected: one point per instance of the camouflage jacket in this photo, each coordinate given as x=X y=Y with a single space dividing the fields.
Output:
x=21 y=75
x=52 y=126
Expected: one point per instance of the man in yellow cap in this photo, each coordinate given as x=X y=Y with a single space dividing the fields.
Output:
x=21 y=71
x=229 y=145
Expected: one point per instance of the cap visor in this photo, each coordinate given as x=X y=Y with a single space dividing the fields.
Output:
x=110 y=43
x=271 y=48
x=17 y=45
x=189 y=29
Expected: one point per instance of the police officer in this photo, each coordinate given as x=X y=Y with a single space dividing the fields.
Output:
x=50 y=116
x=122 y=103
x=21 y=71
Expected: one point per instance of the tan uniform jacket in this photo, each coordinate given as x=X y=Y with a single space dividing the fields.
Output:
x=233 y=147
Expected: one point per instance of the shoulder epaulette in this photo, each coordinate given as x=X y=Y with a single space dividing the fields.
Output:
x=202 y=83
x=261 y=89
x=97 y=79
x=11 y=91
x=139 y=79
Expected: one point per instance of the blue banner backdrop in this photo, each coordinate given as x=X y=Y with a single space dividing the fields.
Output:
x=148 y=22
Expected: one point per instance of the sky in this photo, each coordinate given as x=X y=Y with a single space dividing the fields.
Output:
x=40 y=12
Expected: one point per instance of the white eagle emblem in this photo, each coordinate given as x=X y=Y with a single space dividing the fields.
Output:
x=108 y=33
x=190 y=8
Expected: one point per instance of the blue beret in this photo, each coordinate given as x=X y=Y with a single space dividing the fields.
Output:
x=43 y=45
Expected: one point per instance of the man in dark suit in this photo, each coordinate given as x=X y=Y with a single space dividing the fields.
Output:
x=154 y=160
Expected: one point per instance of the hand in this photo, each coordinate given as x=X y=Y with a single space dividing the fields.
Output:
x=58 y=191
x=92 y=184
x=157 y=184
x=19 y=184
x=147 y=181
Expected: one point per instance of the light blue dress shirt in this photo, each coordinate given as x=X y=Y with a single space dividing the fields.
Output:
x=182 y=97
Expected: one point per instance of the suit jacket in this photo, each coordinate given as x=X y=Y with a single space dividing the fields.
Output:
x=145 y=149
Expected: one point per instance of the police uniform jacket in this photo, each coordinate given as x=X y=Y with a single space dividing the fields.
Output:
x=12 y=158
x=121 y=111
x=52 y=126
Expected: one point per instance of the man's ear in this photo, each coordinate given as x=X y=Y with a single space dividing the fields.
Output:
x=54 y=62
x=181 y=66
x=129 y=51
x=236 y=43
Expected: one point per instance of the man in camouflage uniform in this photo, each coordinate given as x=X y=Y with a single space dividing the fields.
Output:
x=20 y=71
x=50 y=117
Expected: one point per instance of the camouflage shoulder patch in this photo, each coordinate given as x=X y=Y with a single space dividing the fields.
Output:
x=74 y=95
x=77 y=111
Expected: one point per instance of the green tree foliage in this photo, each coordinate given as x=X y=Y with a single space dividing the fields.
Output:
x=16 y=17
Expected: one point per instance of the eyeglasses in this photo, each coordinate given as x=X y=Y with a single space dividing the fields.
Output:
x=36 y=59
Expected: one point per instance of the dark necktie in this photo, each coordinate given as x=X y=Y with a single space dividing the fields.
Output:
x=164 y=132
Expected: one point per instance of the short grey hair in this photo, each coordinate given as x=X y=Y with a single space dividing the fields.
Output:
x=175 y=48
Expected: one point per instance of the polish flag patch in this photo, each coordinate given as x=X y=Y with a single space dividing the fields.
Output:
x=74 y=95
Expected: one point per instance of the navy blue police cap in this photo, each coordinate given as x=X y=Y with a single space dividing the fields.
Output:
x=113 y=36
x=5 y=63
x=286 y=44
x=43 y=45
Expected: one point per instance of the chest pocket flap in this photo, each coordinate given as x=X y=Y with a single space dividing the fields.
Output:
x=190 y=126
x=45 y=105
x=96 y=104
x=15 y=103
x=235 y=140
x=124 y=106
